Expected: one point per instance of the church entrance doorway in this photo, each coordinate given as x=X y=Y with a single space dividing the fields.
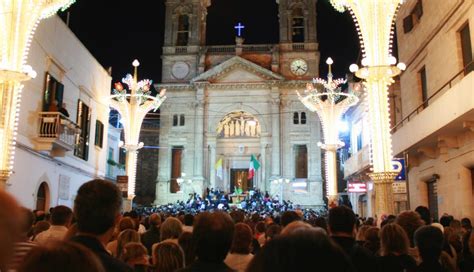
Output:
x=239 y=180
x=238 y=138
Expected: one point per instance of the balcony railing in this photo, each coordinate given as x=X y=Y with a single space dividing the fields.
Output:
x=56 y=133
x=458 y=76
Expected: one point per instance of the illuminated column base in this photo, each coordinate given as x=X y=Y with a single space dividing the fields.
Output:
x=131 y=170
x=383 y=193
x=331 y=173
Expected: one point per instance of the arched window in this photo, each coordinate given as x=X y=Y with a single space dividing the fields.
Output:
x=297 y=25
x=303 y=118
x=183 y=30
x=296 y=118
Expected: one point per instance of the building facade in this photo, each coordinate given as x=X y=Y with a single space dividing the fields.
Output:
x=227 y=103
x=436 y=133
x=58 y=150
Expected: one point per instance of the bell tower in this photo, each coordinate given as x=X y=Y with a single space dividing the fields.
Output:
x=185 y=34
x=299 y=55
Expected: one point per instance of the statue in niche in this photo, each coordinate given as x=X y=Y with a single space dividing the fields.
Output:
x=258 y=130
x=253 y=130
x=242 y=126
x=247 y=129
x=237 y=128
x=231 y=128
x=226 y=130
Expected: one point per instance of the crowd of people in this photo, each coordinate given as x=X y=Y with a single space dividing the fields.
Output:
x=96 y=236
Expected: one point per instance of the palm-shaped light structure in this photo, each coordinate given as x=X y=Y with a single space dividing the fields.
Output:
x=330 y=104
x=375 y=20
x=133 y=107
x=18 y=21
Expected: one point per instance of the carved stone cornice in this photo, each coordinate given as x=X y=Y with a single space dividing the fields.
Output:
x=240 y=86
x=224 y=68
x=299 y=84
x=174 y=86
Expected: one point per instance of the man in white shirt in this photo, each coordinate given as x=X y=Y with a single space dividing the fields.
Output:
x=61 y=217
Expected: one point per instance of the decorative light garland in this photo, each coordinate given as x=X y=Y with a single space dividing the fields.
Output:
x=330 y=104
x=18 y=22
x=133 y=105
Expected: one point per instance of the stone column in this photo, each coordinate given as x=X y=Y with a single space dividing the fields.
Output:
x=212 y=163
x=275 y=106
x=262 y=185
x=199 y=132
x=383 y=193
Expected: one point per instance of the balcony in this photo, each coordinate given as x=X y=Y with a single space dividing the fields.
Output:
x=56 y=133
x=449 y=113
x=357 y=163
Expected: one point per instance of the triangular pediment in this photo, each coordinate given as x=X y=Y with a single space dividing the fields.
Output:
x=237 y=69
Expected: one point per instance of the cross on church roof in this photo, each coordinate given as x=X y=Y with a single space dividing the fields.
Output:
x=239 y=28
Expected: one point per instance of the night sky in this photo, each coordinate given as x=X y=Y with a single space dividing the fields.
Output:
x=116 y=32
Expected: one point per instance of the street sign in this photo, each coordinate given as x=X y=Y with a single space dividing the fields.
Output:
x=357 y=187
x=399 y=166
x=399 y=187
x=122 y=183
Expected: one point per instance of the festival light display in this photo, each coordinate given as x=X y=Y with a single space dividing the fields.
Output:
x=133 y=105
x=330 y=103
x=375 y=20
x=18 y=21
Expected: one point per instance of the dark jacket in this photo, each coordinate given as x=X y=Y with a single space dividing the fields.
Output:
x=431 y=267
x=150 y=237
x=361 y=258
x=392 y=263
x=199 y=266
x=110 y=263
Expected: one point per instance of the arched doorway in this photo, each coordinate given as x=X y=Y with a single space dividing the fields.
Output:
x=42 y=197
x=238 y=138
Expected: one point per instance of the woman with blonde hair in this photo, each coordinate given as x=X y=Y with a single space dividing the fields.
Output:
x=136 y=256
x=171 y=229
x=167 y=257
x=124 y=238
x=394 y=244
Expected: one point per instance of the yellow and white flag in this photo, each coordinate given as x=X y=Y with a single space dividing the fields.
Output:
x=219 y=169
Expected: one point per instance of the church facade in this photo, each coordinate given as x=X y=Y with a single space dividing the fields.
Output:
x=228 y=103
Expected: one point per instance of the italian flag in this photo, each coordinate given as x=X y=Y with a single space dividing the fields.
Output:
x=254 y=165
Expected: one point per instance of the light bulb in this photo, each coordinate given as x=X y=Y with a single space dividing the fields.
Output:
x=353 y=68
x=402 y=66
x=329 y=61
x=135 y=63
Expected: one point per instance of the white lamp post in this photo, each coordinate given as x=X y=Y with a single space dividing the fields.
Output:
x=374 y=21
x=330 y=104
x=18 y=21
x=133 y=108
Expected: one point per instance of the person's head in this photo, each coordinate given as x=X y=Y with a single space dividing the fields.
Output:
x=188 y=219
x=445 y=220
x=136 y=218
x=298 y=251
x=321 y=222
x=134 y=253
x=287 y=217
x=393 y=240
x=429 y=241
x=242 y=241
x=361 y=232
x=124 y=238
x=185 y=241
x=125 y=223
x=342 y=221
x=10 y=225
x=61 y=216
x=293 y=226
x=410 y=221
x=97 y=207
x=212 y=235
x=272 y=231
x=59 y=256
x=155 y=220
x=456 y=225
x=237 y=216
x=424 y=213
x=171 y=229
x=466 y=224
x=168 y=257
x=260 y=227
